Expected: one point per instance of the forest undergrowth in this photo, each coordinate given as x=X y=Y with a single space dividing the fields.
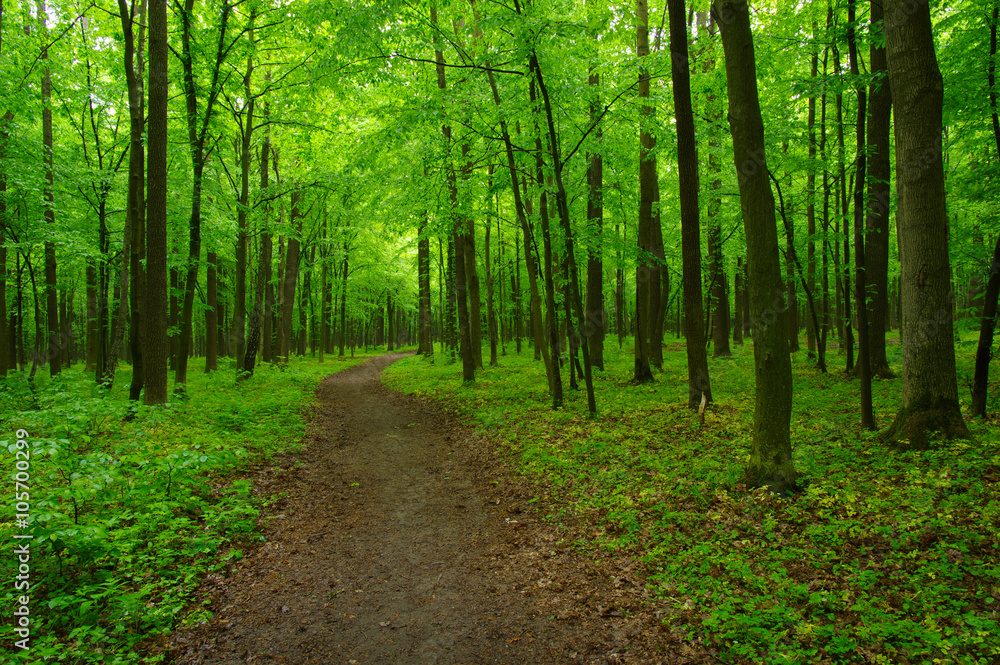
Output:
x=127 y=515
x=886 y=555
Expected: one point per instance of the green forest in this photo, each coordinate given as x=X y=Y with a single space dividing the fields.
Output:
x=686 y=311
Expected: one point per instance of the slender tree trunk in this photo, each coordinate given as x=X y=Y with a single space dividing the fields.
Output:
x=425 y=345
x=930 y=391
x=699 y=385
x=771 y=451
x=811 y=332
x=491 y=320
x=738 y=289
x=459 y=240
x=530 y=252
x=289 y=277
x=154 y=314
x=595 y=313
x=211 y=315
x=51 y=295
x=647 y=180
x=845 y=281
x=197 y=134
x=867 y=412
x=877 y=219
x=240 y=291
x=343 y=297
x=987 y=322
x=562 y=207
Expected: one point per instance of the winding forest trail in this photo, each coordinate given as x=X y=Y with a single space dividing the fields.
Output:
x=401 y=539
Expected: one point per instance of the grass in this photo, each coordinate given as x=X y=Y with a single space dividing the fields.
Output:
x=886 y=556
x=128 y=516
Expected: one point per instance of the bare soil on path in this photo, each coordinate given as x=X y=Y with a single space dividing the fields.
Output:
x=402 y=538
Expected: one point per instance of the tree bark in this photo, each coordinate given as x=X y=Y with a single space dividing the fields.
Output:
x=860 y=293
x=877 y=214
x=197 y=126
x=53 y=350
x=647 y=180
x=290 y=276
x=243 y=206
x=458 y=238
x=930 y=393
x=595 y=315
x=771 y=451
x=811 y=331
x=699 y=385
x=154 y=314
x=987 y=322
x=211 y=315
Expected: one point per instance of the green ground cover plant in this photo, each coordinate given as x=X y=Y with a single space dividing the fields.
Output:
x=885 y=555
x=128 y=514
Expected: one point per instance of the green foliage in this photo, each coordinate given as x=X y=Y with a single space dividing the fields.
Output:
x=128 y=516
x=884 y=556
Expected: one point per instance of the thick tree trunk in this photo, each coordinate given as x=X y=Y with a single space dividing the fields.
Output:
x=771 y=451
x=154 y=314
x=699 y=385
x=930 y=393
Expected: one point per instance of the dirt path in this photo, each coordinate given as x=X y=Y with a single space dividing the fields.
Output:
x=401 y=540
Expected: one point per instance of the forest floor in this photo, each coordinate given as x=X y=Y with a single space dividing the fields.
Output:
x=400 y=535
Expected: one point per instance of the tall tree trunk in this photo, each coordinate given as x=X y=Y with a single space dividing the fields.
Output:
x=987 y=322
x=930 y=391
x=211 y=315
x=811 y=332
x=457 y=232
x=136 y=186
x=266 y=250
x=699 y=385
x=738 y=289
x=424 y=343
x=771 y=450
x=51 y=296
x=240 y=291
x=197 y=126
x=877 y=219
x=530 y=252
x=647 y=181
x=154 y=314
x=290 y=276
x=595 y=315
x=562 y=207
x=860 y=292
x=343 y=296
x=491 y=321
x=845 y=281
